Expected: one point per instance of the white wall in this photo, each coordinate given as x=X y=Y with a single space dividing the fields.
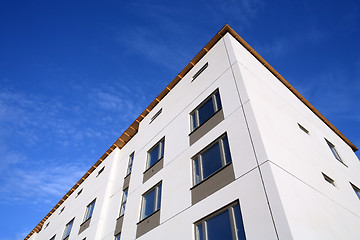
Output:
x=295 y=159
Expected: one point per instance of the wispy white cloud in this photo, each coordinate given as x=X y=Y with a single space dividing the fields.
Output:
x=45 y=182
x=55 y=130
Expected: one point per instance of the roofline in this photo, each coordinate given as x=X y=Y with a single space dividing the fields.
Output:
x=133 y=128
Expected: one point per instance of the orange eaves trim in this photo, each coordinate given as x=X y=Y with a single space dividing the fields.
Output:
x=133 y=128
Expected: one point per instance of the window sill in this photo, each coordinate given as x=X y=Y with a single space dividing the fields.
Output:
x=85 y=221
x=142 y=220
x=152 y=165
x=194 y=130
x=204 y=180
x=127 y=175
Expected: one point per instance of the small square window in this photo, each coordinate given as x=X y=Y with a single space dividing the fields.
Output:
x=155 y=115
x=151 y=201
x=356 y=190
x=68 y=229
x=334 y=151
x=100 y=171
x=47 y=224
x=211 y=159
x=225 y=223
x=89 y=211
x=302 y=128
x=205 y=110
x=78 y=193
x=329 y=179
x=123 y=202
x=200 y=71
x=131 y=159
x=61 y=210
x=155 y=153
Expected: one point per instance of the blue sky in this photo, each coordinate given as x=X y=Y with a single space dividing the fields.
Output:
x=75 y=74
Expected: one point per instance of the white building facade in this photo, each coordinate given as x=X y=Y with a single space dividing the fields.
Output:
x=227 y=151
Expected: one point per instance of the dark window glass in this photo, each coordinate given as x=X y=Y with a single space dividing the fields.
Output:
x=156 y=153
x=219 y=227
x=206 y=111
x=89 y=210
x=123 y=202
x=153 y=156
x=68 y=229
x=239 y=223
x=226 y=150
x=158 y=199
x=226 y=224
x=131 y=159
x=218 y=102
x=151 y=201
x=211 y=160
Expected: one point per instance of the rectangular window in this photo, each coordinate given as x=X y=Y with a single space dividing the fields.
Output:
x=155 y=153
x=100 y=171
x=200 y=71
x=68 y=229
x=61 y=210
x=117 y=237
x=304 y=129
x=131 y=159
x=151 y=201
x=329 y=179
x=356 y=189
x=123 y=202
x=89 y=211
x=205 y=110
x=226 y=223
x=211 y=159
x=155 y=115
x=333 y=150
x=79 y=192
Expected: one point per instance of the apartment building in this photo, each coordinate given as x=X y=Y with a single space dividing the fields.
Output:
x=228 y=150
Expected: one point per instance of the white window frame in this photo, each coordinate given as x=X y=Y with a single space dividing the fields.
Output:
x=194 y=115
x=334 y=151
x=157 y=188
x=160 y=155
x=198 y=158
x=131 y=160
x=230 y=209
x=89 y=210
x=123 y=201
x=68 y=228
